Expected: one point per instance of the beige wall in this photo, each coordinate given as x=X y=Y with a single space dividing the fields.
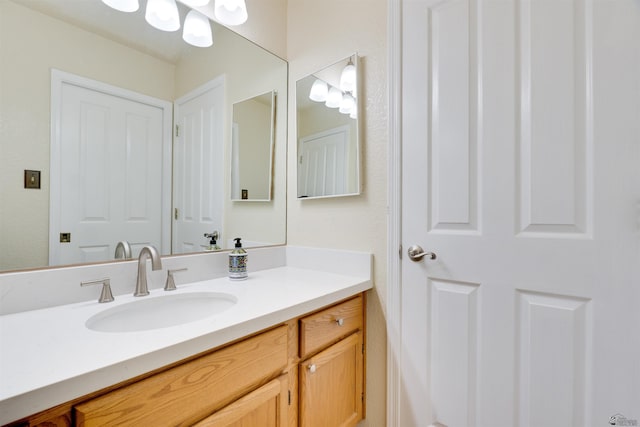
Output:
x=25 y=80
x=319 y=34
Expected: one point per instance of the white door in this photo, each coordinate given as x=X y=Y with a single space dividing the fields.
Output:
x=198 y=161
x=106 y=168
x=322 y=163
x=521 y=172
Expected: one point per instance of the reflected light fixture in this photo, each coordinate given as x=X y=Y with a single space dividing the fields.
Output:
x=123 y=5
x=347 y=104
x=197 y=30
x=319 y=91
x=195 y=3
x=334 y=98
x=231 y=12
x=348 y=78
x=354 y=111
x=163 y=15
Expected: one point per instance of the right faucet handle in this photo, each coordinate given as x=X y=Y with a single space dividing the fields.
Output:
x=171 y=283
x=105 y=295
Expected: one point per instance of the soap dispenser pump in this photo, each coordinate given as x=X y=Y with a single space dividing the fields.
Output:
x=238 y=262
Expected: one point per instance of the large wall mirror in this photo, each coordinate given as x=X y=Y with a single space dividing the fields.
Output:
x=46 y=46
x=328 y=131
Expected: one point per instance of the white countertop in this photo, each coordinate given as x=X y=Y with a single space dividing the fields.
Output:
x=48 y=356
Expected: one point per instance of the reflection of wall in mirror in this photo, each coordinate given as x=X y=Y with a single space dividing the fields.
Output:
x=27 y=58
x=246 y=220
x=319 y=118
x=254 y=148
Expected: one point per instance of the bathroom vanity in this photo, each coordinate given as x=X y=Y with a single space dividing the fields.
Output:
x=291 y=346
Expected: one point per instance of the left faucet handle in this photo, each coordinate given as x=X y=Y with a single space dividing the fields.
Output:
x=171 y=283
x=105 y=295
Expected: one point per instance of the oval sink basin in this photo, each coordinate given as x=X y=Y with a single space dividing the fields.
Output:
x=149 y=313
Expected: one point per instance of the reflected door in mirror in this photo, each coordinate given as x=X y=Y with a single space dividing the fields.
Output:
x=198 y=167
x=105 y=180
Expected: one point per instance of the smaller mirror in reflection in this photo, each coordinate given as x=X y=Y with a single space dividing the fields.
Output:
x=252 y=148
x=328 y=139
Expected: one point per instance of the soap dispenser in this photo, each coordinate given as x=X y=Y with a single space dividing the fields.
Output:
x=238 y=262
x=213 y=245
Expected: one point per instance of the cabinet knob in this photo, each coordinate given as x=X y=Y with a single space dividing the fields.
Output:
x=340 y=322
x=312 y=368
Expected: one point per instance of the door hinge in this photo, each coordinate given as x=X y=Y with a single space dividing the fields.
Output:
x=175 y=213
x=400 y=252
x=289 y=397
x=177 y=130
x=300 y=159
x=362 y=348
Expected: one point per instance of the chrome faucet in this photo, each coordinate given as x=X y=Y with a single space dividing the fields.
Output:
x=146 y=253
x=123 y=250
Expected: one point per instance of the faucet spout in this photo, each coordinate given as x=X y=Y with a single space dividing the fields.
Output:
x=147 y=252
x=123 y=250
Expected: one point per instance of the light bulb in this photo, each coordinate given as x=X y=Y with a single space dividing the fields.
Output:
x=197 y=30
x=123 y=5
x=354 y=112
x=319 y=91
x=347 y=103
x=334 y=98
x=231 y=12
x=163 y=15
x=348 y=78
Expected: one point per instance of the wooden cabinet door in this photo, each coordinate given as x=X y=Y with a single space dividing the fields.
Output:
x=264 y=407
x=331 y=385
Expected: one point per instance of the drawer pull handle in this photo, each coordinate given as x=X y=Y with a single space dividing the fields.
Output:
x=312 y=368
x=340 y=322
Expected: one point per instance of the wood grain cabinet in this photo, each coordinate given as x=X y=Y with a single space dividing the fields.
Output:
x=331 y=375
x=308 y=371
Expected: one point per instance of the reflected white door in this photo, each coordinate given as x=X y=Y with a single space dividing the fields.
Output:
x=322 y=163
x=521 y=171
x=198 y=161
x=106 y=170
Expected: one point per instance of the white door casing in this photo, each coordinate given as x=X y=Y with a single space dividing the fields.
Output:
x=520 y=169
x=110 y=151
x=198 y=160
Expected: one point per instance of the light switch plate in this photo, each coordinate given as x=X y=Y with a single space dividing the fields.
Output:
x=31 y=179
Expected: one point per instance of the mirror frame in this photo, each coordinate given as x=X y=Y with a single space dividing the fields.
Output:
x=271 y=153
x=328 y=73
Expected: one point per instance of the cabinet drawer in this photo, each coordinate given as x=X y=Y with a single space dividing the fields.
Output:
x=189 y=392
x=322 y=328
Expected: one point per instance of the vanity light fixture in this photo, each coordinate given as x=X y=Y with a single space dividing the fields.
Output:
x=231 y=12
x=348 y=78
x=123 y=5
x=163 y=15
x=197 y=30
x=319 y=91
x=334 y=98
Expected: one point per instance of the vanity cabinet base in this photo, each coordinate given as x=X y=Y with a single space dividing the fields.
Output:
x=265 y=380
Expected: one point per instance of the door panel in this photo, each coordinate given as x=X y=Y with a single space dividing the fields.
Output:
x=110 y=171
x=199 y=167
x=517 y=137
